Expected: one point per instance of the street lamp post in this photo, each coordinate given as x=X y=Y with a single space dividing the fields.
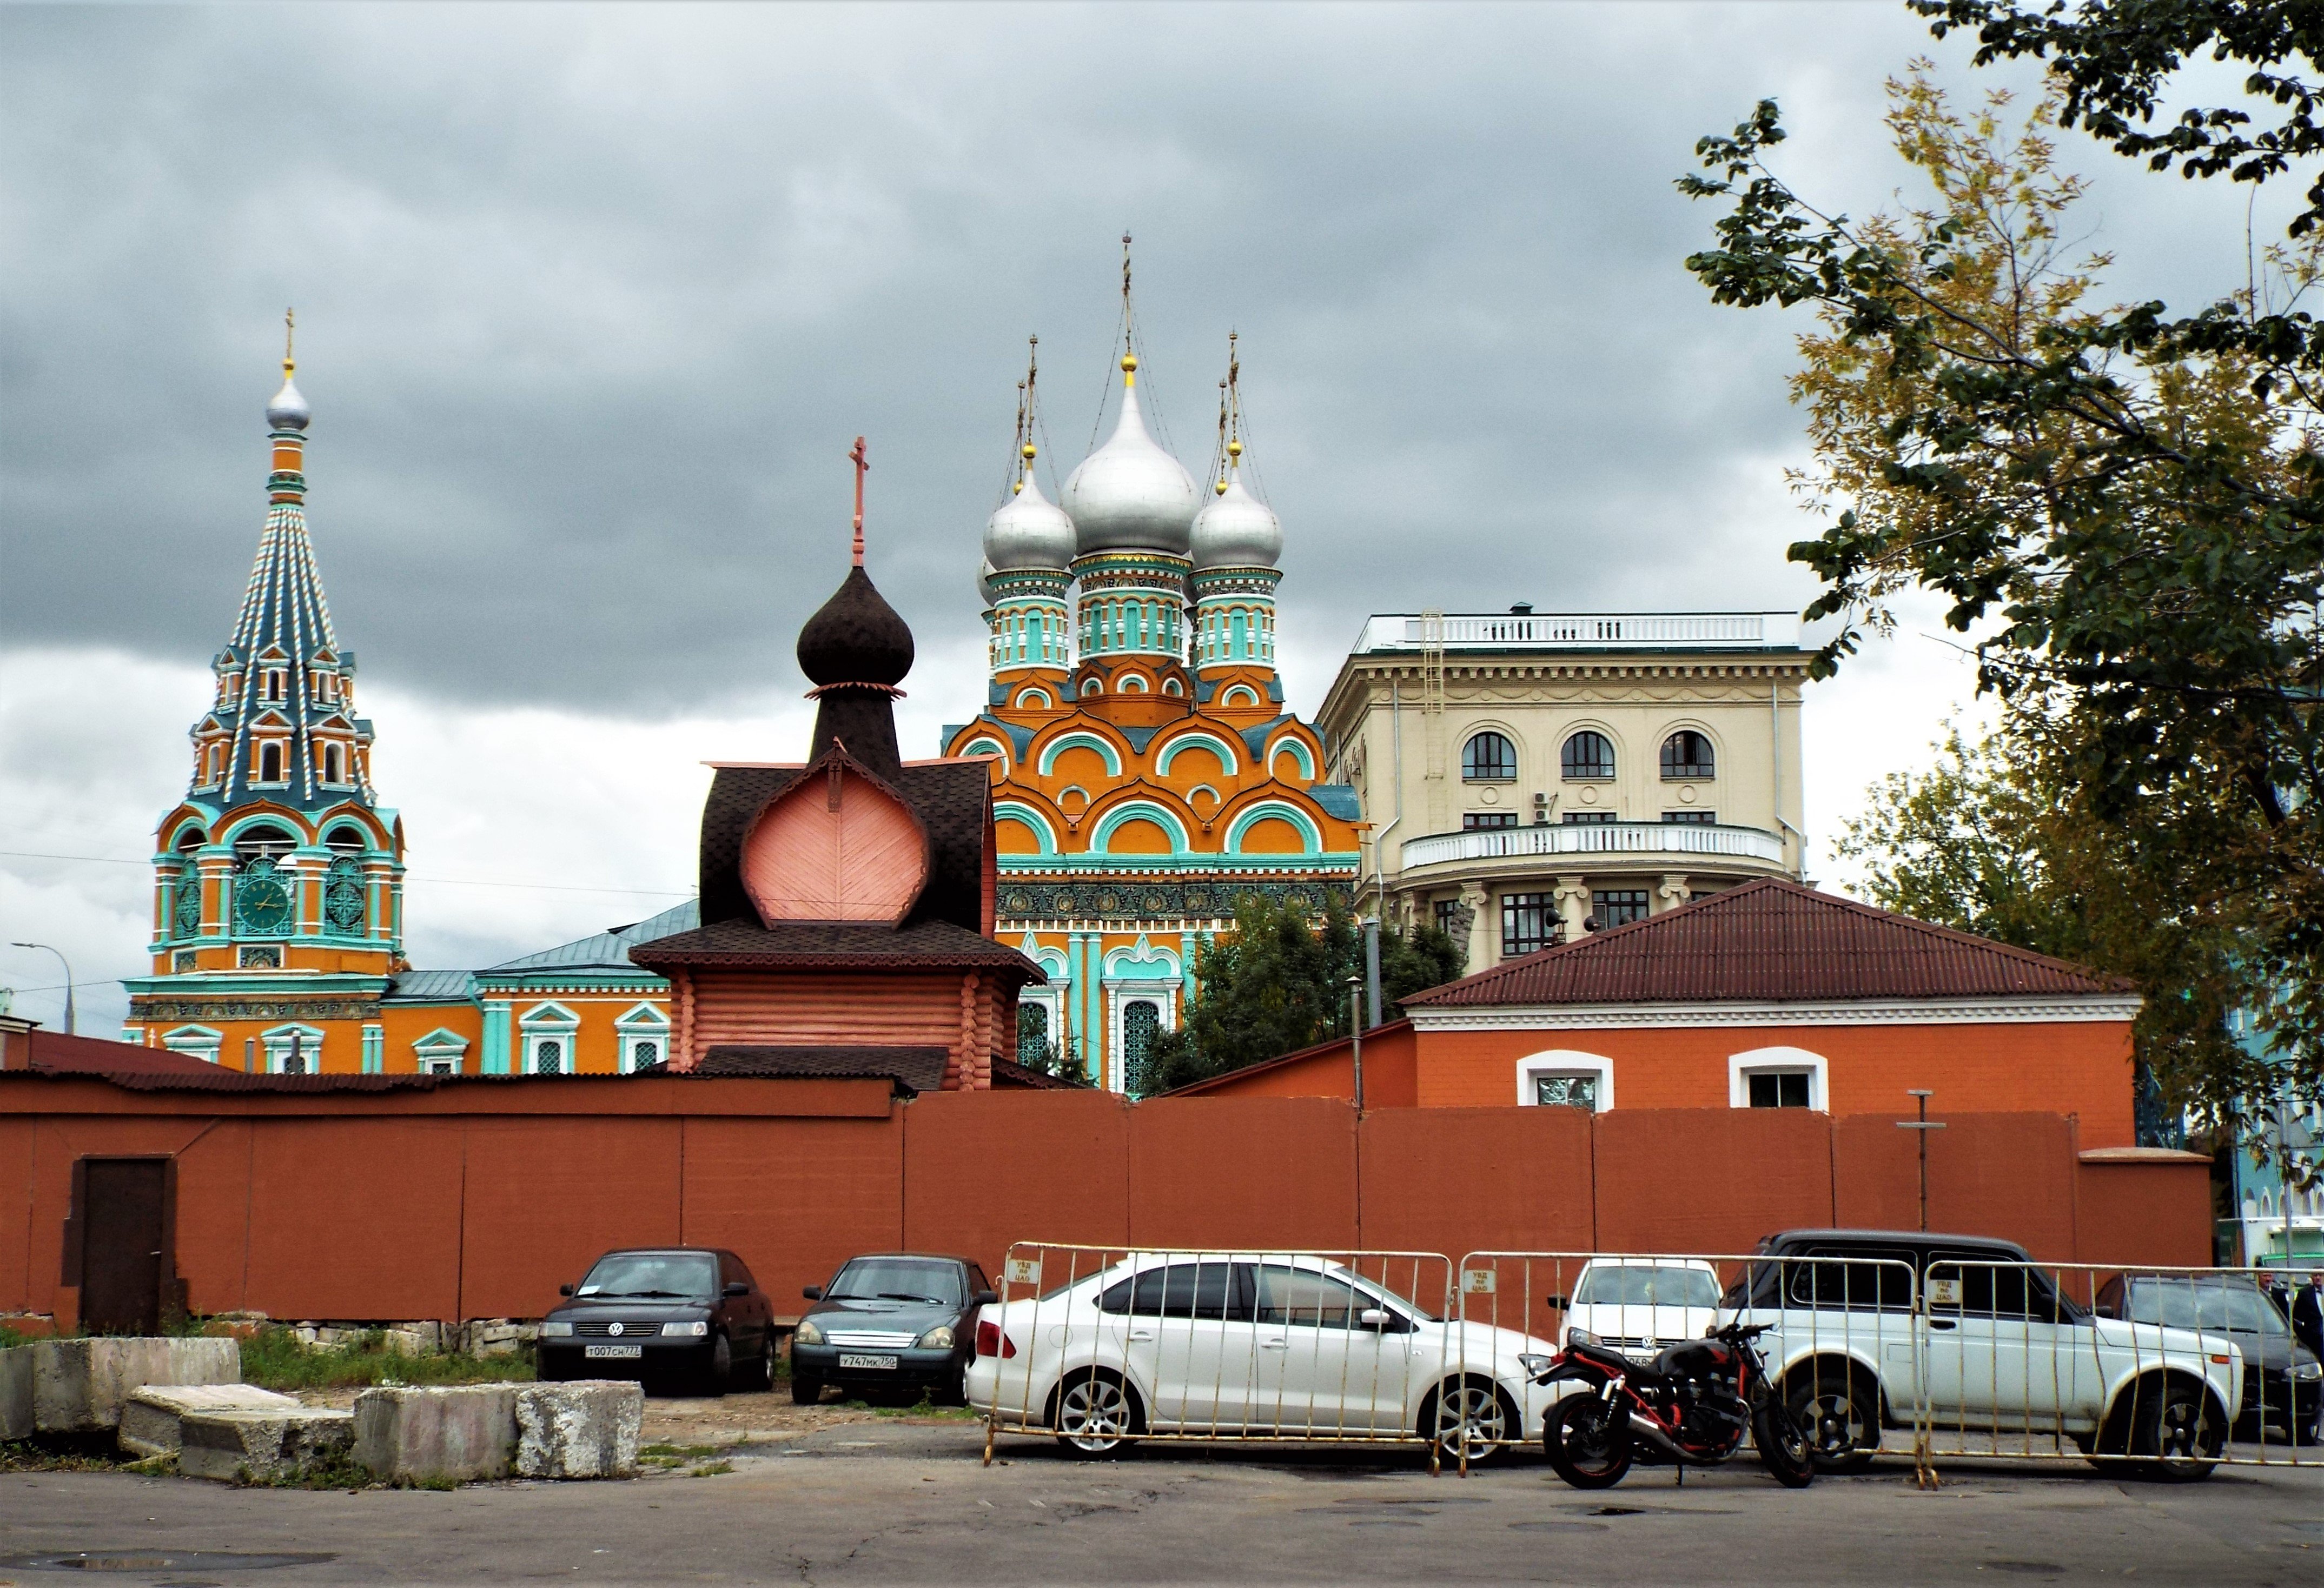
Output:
x=69 y=980
x=1356 y=1033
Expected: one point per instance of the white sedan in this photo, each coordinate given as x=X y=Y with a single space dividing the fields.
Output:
x=1243 y=1345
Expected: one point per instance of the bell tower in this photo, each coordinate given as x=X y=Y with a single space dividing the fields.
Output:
x=278 y=892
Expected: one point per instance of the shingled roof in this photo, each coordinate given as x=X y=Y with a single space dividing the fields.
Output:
x=908 y=1070
x=834 y=945
x=1770 y=941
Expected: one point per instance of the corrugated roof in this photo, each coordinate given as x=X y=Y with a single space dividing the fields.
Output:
x=608 y=949
x=57 y=1053
x=1771 y=940
x=428 y=987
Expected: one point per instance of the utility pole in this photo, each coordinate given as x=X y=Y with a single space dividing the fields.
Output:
x=1924 y=1126
x=1356 y=1034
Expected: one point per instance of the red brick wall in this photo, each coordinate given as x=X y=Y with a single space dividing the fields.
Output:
x=479 y=1198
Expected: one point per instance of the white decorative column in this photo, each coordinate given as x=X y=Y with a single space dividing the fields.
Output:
x=1474 y=900
x=1573 y=905
x=1672 y=893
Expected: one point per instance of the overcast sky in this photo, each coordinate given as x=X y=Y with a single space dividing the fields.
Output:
x=593 y=299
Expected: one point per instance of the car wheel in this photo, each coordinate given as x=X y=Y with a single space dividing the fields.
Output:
x=1095 y=1413
x=805 y=1390
x=2179 y=1431
x=718 y=1373
x=1472 y=1416
x=1838 y=1411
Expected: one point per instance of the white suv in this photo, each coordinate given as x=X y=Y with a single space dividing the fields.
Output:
x=1238 y=1345
x=1865 y=1325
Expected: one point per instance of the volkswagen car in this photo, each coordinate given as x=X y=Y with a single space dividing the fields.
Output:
x=681 y=1314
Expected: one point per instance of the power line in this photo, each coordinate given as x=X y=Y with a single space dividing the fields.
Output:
x=554 y=887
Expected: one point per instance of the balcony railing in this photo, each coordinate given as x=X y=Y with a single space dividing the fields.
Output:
x=1582 y=632
x=1646 y=840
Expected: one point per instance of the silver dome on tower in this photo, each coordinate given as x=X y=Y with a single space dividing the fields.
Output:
x=1238 y=530
x=1130 y=495
x=1030 y=531
x=288 y=410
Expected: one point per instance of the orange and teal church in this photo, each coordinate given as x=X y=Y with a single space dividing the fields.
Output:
x=1147 y=775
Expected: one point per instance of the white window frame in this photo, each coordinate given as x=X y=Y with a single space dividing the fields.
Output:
x=1565 y=1061
x=199 y=1041
x=1742 y=1067
x=643 y=1023
x=439 y=1047
x=276 y=1044
x=1117 y=996
x=545 y=1023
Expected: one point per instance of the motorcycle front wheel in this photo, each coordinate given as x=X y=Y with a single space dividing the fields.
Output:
x=1783 y=1448
x=1588 y=1441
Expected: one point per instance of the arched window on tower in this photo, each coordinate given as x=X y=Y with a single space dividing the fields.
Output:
x=1586 y=757
x=270 y=762
x=1687 y=754
x=1489 y=758
x=330 y=763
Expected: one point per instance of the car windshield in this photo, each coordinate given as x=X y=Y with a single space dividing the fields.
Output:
x=677 y=1275
x=897 y=1279
x=2204 y=1307
x=1659 y=1286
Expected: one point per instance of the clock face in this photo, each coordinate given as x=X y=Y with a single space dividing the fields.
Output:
x=262 y=901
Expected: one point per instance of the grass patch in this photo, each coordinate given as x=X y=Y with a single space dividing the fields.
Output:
x=664 y=1457
x=334 y=1469
x=274 y=1358
x=75 y=1455
x=9 y=1336
x=711 y=1469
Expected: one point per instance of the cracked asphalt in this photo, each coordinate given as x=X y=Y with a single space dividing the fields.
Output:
x=912 y=1502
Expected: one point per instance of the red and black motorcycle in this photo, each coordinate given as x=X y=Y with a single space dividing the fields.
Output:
x=1693 y=1404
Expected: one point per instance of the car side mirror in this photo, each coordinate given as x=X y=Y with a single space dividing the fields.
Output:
x=1559 y=1302
x=565 y=1290
x=736 y=1288
x=1382 y=1319
x=985 y=1298
x=812 y=1292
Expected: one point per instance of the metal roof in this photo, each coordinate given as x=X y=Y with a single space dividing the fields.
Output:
x=1773 y=940
x=608 y=949
x=428 y=986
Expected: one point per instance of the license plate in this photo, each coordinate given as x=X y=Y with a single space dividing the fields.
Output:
x=621 y=1353
x=880 y=1363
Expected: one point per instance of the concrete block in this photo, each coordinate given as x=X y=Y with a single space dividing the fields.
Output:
x=458 y=1432
x=256 y=1444
x=79 y=1386
x=404 y=1342
x=151 y=1417
x=16 y=1392
x=587 y=1428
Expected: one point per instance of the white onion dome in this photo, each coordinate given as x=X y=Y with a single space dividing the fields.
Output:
x=1238 y=530
x=288 y=410
x=1030 y=531
x=984 y=582
x=1130 y=495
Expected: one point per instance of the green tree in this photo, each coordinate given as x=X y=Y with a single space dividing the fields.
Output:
x=2121 y=509
x=1998 y=838
x=1280 y=982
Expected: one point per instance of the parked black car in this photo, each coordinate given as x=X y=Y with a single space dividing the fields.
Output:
x=2283 y=1384
x=684 y=1314
x=891 y=1324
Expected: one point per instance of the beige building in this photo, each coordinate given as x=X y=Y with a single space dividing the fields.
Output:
x=1527 y=774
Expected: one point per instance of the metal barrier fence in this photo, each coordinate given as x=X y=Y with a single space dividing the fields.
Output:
x=1947 y=1358
x=1099 y=1345
x=1965 y=1358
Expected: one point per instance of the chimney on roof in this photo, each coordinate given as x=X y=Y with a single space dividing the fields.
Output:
x=1523 y=609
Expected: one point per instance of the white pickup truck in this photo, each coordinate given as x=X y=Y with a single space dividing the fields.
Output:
x=1870 y=1328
